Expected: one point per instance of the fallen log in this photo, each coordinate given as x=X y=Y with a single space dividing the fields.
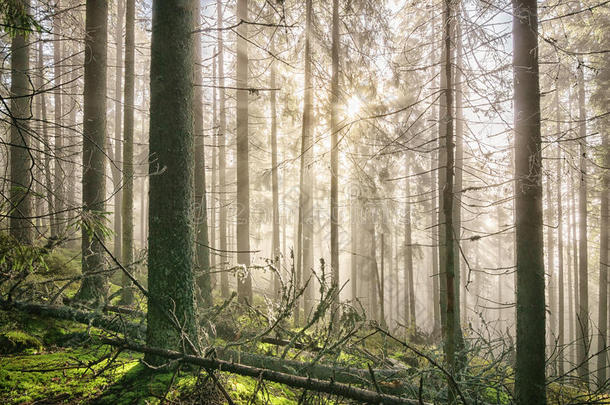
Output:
x=124 y=311
x=98 y=320
x=392 y=380
x=313 y=384
x=339 y=373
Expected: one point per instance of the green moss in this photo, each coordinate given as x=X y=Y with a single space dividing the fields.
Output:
x=242 y=389
x=65 y=375
x=50 y=332
x=17 y=341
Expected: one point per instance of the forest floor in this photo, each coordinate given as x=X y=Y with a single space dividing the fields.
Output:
x=47 y=361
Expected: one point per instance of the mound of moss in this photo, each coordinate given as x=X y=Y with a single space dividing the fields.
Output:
x=17 y=341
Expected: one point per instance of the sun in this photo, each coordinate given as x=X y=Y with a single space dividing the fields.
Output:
x=353 y=107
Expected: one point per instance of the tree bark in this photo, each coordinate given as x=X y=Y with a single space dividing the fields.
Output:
x=530 y=365
x=307 y=161
x=550 y=245
x=409 y=280
x=448 y=268
x=213 y=188
x=21 y=158
x=48 y=185
x=128 y=145
x=59 y=174
x=170 y=241
x=244 y=282
x=116 y=165
x=202 y=249
x=276 y=253
x=603 y=266
x=222 y=159
x=94 y=141
x=583 y=276
x=334 y=151
x=560 y=270
x=458 y=164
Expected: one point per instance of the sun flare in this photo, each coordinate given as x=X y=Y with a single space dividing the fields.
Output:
x=353 y=107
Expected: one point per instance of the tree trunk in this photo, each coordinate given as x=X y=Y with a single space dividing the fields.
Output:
x=382 y=307
x=71 y=139
x=21 y=158
x=170 y=242
x=59 y=173
x=334 y=151
x=458 y=165
x=307 y=166
x=128 y=168
x=500 y=264
x=560 y=275
x=202 y=249
x=583 y=276
x=48 y=187
x=409 y=280
x=276 y=253
x=575 y=257
x=222 y=159
x=603 y=266
x=442 y=173
x=244 y=283
x=530 y=365
x=550 y=245
x=213 y=190
x=449 y=297
x=434 y=210
x=94 y=159
x=353 y=244
x=116 y=165
x=373 y=276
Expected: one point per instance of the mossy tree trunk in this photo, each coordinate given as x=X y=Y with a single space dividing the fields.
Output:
x=171 y=302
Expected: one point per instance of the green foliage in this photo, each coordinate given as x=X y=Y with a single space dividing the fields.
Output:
x=94 y=223
x=17 y=258
x=16 y=19
x=63 y=262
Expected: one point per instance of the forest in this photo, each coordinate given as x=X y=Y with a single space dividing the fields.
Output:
x=304 y=202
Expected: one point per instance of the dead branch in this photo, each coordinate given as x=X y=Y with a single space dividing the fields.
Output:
x=313 y=384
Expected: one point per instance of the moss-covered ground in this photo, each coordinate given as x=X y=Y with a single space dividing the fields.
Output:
x=44 y=361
